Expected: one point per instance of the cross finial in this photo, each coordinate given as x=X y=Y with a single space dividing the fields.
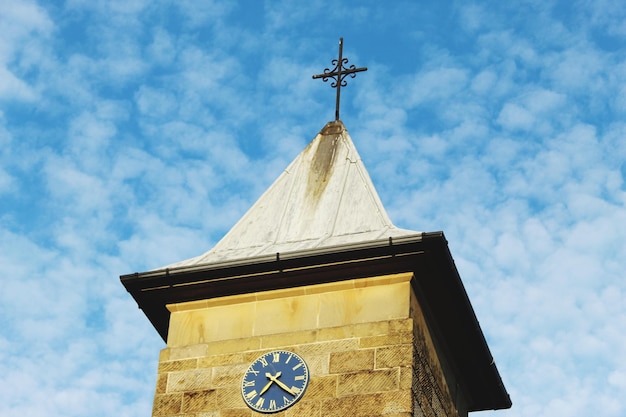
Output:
x=338 y=73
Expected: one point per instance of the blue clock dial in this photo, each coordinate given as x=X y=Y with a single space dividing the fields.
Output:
x=275 y=381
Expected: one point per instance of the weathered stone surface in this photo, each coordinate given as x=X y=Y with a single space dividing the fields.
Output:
x=288 y=311
x=318 y=364
x=252 y=355
x=167 y=404
x=186 y=352
x=233 y=346
x=393 y=356
x=161 y=385
x=355 y=306
x=386 y=340
x=174 y=366
x=224 y=376
x=304 y=408
x=431 y=383
x=229 y=398
x=194 y=380
x=208 y=414
x=239 y=412
x=401 y=326
x=286 y=315
x=438 y=407
x=351 y=361
x=195 y=401
x=368 y=405
x=322 y=387
x=375 y=328
x=417 y=411
x=334 y=333
x=218 y=360
x=366 y=382
x=286 y=339
x=164 y=355
x=406 y=377
x=326 y=347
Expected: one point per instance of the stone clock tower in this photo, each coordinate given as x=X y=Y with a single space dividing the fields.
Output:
x=315 y=304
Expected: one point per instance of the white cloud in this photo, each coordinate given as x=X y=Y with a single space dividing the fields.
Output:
x=11 y=87
x=155 y=102
x=473 y=17
x=436 y=84
x=7 y=182
x=515 y=117
x=203 y=13
x=18 y=21
x=484 y=82
x=162 y=49
x=25 y=24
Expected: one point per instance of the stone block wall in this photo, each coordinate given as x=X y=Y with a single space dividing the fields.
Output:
x=381 y=362
x=355 y=370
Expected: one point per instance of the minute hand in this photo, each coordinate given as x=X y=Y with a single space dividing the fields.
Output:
x=280 y=384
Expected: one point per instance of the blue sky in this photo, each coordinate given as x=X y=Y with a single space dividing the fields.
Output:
x=134 y=134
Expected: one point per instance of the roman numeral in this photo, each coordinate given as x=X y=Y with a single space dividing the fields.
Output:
x=272 y=405
x=247 y=384
x=276 y=356
x=260 y=402
x=263 y=361
x=251 y=394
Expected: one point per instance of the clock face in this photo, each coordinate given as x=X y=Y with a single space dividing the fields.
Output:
x=275 y=381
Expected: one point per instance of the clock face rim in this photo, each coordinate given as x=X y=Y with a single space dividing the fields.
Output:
x=269 y=356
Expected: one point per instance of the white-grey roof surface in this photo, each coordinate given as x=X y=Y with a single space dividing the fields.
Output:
x=324 y=198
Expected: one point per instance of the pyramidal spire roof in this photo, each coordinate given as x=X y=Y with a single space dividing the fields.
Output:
x=324 y=198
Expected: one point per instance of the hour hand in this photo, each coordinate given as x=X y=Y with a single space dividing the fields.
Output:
x=266 y=387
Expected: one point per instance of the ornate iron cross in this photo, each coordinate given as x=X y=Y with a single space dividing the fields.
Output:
x=338 y=74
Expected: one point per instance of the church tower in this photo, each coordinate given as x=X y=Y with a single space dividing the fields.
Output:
x=315 y=304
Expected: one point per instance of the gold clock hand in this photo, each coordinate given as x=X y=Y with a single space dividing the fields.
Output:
x=280 y=384
x=267 y=386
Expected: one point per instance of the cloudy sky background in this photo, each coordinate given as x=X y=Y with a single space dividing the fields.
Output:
x=134 y=134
